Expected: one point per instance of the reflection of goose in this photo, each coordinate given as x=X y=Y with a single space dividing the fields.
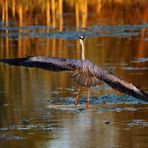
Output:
x=83 y=72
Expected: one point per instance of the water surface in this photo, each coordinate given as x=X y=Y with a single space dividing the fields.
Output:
x=37 y=106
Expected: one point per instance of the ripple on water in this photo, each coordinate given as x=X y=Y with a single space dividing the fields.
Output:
x=140 y=60
x=118 y=109
x=106 y=99
x=137 y=122
x=105 y=30
x=22 y=127
x=136 y=68
x=9 y=136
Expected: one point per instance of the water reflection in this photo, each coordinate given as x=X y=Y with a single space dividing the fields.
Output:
x=84 y=129
x=116 y=38
x=90 y=130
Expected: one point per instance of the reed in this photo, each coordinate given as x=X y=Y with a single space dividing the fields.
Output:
x=50 y=12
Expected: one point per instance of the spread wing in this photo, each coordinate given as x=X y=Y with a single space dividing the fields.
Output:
x=47 y=63
x=84 y=66
x=121 y=85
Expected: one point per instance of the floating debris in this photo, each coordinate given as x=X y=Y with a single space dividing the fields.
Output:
x=107 y=122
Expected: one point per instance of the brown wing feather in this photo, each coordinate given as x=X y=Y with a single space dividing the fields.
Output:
x=122 y=86
x=48 y=63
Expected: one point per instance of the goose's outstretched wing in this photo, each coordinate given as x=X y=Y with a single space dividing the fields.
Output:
x=48 y=63
x=84 y=66
x=121 y=85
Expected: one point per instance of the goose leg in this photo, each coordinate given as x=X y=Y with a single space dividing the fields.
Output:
x=77 y=98
x=88 y=101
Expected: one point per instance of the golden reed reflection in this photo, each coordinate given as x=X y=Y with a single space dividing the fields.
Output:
x=52 y=13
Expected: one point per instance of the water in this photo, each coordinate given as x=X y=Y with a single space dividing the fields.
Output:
x=37 y=106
